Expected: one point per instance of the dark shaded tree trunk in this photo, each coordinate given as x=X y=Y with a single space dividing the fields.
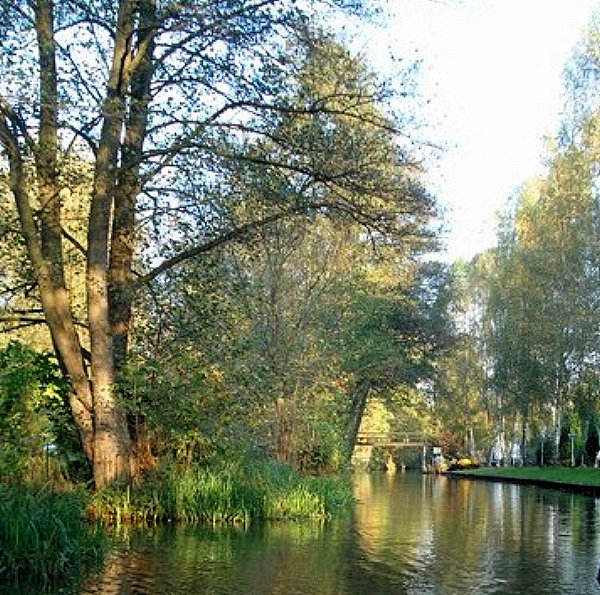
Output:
x=358 y=404
x=283 y=432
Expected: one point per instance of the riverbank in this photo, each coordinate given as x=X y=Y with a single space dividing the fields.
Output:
x=241 y=491
x=584 y=480
x=50 y=535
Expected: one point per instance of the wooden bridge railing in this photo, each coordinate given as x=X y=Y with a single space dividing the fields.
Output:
x=390 y=439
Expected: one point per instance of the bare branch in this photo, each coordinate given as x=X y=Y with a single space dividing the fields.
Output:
x=10 y=134
x=229 y=236
x=76 y=243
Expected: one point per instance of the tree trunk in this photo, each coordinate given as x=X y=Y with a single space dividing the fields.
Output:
x=112 y=445
x=54 y=298
x=121 y=290
x=127 y=188
x=142 y=457
x=358 y=404
x=111 y=440
x=283 y=432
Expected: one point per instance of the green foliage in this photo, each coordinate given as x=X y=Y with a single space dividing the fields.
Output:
x=239 y=492
x=43 y=538
x=530 y=326
x=211 y=141
x=185 y=399
x=590 y=446
x=529 y=307
x=261 y=340
x=33 y=414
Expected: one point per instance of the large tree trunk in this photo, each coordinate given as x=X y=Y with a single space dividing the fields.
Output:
x=112 y=445
x=111 y=441
x=121 y=291
x=111 y=232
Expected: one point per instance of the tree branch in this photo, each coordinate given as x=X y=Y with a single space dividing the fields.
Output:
x=76 y=243
x=229 y=236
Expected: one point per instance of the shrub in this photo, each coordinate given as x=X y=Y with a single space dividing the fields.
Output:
x=34 y=413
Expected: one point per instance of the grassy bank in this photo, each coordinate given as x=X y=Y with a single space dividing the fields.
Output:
x=238 y=492
x=47 y=535
x=43 y=537
x=583 y=479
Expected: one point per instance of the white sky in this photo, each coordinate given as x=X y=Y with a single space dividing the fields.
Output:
x=493 y=69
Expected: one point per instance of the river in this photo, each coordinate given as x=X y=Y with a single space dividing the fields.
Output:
x=409 y=533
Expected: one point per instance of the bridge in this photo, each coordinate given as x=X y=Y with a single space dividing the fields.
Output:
x=392 y=439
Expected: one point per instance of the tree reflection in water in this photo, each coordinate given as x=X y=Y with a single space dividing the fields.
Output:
x=408 y=533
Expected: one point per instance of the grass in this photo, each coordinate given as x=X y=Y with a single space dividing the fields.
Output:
x=576 y=477
x=42 y=536
x=238 y=492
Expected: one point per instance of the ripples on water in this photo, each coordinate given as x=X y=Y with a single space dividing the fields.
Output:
x=410 y=534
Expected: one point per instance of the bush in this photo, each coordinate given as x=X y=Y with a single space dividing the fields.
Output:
x=33 y=414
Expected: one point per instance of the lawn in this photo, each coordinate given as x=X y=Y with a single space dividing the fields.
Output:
x=578 y=477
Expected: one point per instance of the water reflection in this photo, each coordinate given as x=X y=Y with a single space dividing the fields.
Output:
x=284 y=558
x=473 y=537
x=408 y=534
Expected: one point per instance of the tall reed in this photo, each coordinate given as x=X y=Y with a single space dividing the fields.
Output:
x=43 y=537
x=237 y=492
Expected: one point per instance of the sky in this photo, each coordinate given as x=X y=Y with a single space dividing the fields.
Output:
x=493 y=72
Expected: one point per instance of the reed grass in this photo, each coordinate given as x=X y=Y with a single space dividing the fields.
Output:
x=43 y=537
x=46 y=535
x=237 y=492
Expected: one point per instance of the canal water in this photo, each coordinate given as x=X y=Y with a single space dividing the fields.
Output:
x=409 y=533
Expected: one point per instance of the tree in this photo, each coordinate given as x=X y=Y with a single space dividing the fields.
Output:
x=534 y=298
x=397 y=329
x=540 y=303
x=304 y=317
x=166 y=101
x=274 y=305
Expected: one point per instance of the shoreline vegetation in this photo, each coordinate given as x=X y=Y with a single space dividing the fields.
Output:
x=584 y=480
x=44 y=538
x=49 y=534
x=233 y=493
